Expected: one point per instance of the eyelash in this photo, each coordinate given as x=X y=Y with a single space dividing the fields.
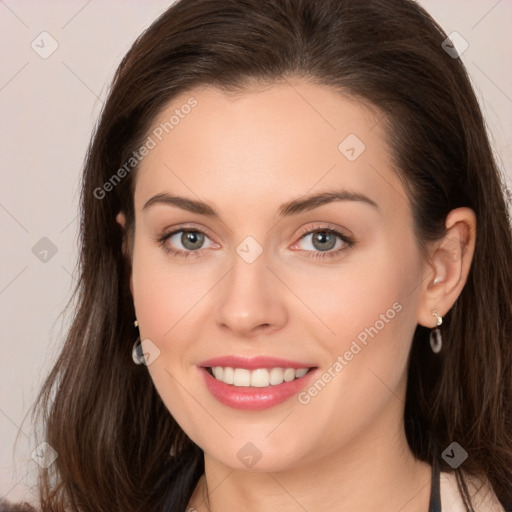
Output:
x=349 y=242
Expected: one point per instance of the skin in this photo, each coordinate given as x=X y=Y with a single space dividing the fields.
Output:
x=346 y=449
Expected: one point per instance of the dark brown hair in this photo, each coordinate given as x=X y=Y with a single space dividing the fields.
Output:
x=101 y=412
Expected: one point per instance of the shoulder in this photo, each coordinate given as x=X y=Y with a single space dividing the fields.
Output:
x=7 y=506
x=482 y=496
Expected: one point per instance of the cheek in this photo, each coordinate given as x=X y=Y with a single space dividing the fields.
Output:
x=361 y=296
x=171 y=301
x=370 y=311
x=165 y=291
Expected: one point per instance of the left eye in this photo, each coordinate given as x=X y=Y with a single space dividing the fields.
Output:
x=325 y=240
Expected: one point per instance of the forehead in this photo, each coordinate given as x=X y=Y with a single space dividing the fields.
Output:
x=275 y=142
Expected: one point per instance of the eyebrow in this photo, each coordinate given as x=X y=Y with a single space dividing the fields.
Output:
x=293 y=207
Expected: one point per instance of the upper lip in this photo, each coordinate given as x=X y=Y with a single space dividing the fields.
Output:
x=253 y=363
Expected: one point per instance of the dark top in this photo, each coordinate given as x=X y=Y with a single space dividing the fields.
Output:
x=435 y=496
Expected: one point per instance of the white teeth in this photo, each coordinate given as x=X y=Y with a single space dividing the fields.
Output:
x=289 y=374
x=218 y=372
x=242 y=377
x=276 y=376
x=260 y=378
x=301 y=372
x=229 y=375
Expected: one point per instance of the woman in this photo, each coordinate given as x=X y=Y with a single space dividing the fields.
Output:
x=292 y=208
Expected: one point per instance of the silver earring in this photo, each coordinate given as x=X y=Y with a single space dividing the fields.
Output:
x=436 y=341
x=137 y=355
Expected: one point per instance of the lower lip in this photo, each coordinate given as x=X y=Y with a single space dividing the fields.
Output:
x=253 y=398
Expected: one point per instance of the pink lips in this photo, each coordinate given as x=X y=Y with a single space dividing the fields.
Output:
x=254 y=398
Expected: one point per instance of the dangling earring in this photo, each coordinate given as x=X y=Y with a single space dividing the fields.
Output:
x=137 y=355
x=436 y=341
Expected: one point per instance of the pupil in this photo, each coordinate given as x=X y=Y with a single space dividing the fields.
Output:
x=321 y=237
x=191 y=237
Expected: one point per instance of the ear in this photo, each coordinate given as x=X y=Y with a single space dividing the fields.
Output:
x=448 y=266
x=121 y=220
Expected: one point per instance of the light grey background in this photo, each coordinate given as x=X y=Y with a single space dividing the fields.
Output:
x=49 y=106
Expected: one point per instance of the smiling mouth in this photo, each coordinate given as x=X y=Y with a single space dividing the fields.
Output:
x=258 y=378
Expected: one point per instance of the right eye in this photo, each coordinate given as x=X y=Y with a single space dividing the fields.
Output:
x=191 y=240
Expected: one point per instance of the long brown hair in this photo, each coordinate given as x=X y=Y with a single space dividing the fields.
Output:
x=101 y=412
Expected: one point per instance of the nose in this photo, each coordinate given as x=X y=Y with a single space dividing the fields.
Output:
x=251 y=299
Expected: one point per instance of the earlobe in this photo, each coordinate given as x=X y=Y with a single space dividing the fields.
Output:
x=449 y=265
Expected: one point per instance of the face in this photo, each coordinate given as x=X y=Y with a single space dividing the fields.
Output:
x=265 y=272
